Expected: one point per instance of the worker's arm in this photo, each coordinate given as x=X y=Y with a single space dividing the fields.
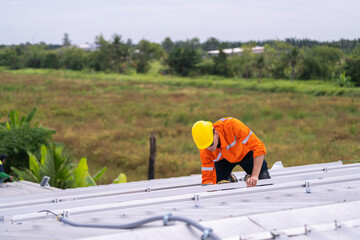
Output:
x=208 y=174
x=4 y=175
x=254 y=178
x=207 y=168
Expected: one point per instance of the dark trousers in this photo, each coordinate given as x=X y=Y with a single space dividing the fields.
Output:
x=224 y=168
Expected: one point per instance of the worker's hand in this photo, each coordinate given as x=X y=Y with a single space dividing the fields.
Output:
x=252 y=181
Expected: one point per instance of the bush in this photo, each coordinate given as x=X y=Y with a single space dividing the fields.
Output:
x=73 y=58
x=352 y=68
x=183 y=61
x=58 y=165
x=17 y=136
x=320 y=62
x=206 y=67
x=221 y=66
x=34 y=56
x=12 y=57
x=51 y=60
x=344 y=81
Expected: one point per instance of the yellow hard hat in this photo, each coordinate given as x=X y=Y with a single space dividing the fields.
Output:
x=202 y=132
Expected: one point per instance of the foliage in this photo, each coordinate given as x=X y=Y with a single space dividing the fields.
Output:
x=12 y=57
x=167 y=44
x=344 y=81
x=211 y=44
x=260 y=65
x=66 y=40
x=221 y=65
x=59 y=166
x=243 y=65
x=81 y=175
x=206 y=67
x=292 y=58
x=34 y=55
x=50 y=60
x=72 y=58
x=352 y=67
x=18 y=136
x=112 y=55
x=120 y=179
x=320 y=62
x=145 y=52
x=182 y=61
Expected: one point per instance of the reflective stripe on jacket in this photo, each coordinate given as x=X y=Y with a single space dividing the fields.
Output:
x=236 y=141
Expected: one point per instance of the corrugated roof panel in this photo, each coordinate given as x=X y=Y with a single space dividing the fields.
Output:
x=279 y=206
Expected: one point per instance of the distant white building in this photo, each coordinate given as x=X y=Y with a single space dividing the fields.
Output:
x=88 y=46
x=237 y=51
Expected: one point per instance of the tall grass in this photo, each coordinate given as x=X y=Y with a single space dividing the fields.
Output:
x=108 y=118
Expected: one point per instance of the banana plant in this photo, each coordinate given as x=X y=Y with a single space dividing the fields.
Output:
x=16 y=122
x=53 y=163
x=120 y=179
x=57 y=165
x=82 y=177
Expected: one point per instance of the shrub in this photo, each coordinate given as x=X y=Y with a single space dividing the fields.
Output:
x=183 y=61
x=344 y=81
x=59 y=166
x=17 y=136
x=352 y=68
x=73 y=58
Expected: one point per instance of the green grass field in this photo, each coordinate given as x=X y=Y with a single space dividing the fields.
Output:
x=108 y=118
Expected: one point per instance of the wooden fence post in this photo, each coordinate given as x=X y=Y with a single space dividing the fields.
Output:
x=151 y=173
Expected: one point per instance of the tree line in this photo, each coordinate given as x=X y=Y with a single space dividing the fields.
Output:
x=291 y=58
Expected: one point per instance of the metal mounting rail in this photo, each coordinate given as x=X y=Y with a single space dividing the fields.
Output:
x=207 y=192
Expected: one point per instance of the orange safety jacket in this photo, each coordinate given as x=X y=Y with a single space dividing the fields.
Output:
x=236 y=141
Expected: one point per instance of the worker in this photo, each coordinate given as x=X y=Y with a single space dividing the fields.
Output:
x=227 y=143
x=3 y=176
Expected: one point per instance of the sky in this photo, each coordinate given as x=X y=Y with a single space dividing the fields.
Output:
x=46 y=21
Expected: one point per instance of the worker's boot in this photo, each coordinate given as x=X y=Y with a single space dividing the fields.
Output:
x=223 y=181
x=264 y=174
x=232 y=178
x=246 y=177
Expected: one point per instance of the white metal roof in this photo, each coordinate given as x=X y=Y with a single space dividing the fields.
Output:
x=235 y=51
x=317 y=201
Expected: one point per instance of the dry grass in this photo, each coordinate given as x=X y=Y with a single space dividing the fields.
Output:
x=109 y=121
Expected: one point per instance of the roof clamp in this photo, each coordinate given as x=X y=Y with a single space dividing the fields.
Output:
x=325 y=169
x=166 y=221
x=197 y=200
x=307 y=229
x=206 y=233
x=337 y=225
x=65 y=213
x=308 y=187
x=148 y=189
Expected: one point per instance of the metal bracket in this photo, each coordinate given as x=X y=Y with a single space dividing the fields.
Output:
x=308 y=187
x=197 y=200
x=337 y=225
x=65 y=214
x=307 y=229
x=166 y=219
x=206 y=233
